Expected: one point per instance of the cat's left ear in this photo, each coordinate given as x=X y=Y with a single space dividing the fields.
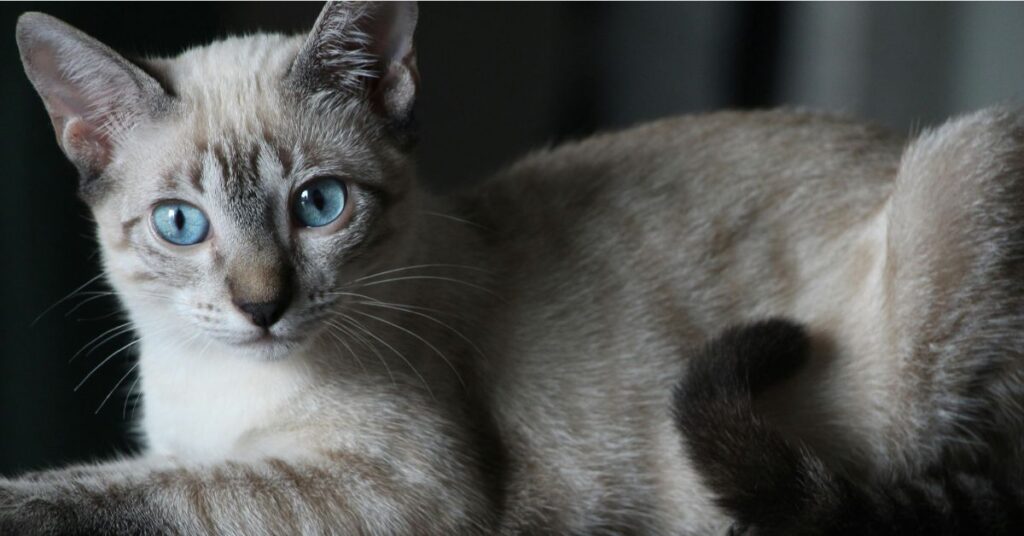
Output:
x=363 y=49
x=91 y=93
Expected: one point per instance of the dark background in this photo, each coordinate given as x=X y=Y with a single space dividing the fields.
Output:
x=498 y=80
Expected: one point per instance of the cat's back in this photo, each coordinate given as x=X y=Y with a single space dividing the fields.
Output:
x=706 y=160
x=682 y=194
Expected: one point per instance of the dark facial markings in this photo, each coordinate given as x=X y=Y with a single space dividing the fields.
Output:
x=195 y=175
x=236 y=167
x=142 y=277
x=127 y=227
x=284 y=156
x=218 y=258
x=222 y=160
x=161 y=264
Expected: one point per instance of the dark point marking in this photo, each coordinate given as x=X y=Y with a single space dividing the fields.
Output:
x=168 y=180
x=149 y=250
x=225 y=168
x=284 y=155
x=142 y=276
x=218 y=258
x=127 y=227
x=195 y=175
x=254 y=164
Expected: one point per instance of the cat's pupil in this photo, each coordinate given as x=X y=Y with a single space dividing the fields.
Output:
x=179 y=219
x=318 y=199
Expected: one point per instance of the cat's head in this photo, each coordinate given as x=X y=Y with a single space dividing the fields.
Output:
x=239 y=186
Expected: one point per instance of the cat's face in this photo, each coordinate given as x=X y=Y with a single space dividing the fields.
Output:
x=241 y=187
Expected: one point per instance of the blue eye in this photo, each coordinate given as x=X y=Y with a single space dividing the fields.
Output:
x=319 y=201
x=180 y=223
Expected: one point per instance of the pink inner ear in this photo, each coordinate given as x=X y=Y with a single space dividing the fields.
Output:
x=91 y=93
x=84 y=144
x=87 y=145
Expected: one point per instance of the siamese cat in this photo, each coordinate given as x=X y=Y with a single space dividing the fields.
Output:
x=325 y=348
x=775 y=486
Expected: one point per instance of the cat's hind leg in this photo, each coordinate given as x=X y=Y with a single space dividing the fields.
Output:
x=953 y=298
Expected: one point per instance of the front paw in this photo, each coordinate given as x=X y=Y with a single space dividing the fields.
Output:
x=32 y=509
x=70 y=507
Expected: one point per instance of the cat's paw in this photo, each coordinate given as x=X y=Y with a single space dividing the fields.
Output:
x=29 y=508
x=61 y=505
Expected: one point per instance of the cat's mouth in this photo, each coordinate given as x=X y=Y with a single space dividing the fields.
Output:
x=267 y=338
x=269 y=344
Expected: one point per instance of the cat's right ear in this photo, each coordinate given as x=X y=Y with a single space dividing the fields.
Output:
x=363 y=49
x=92 y=94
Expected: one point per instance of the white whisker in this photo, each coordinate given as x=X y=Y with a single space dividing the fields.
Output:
x=116 y=385
x=404 y=309
x=366 y=344
x=407 y=306
x=419 y=266
x=65 y=298
x=119 y=329
x=421 y=339
x=80 y=304
x=396 y=352
x=355 y=324
x=454 y=219
x=124 y=409
x=338 y=339
x=433 y=278
x=105 y=361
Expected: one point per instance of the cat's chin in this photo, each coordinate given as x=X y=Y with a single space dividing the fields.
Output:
x=267 y=347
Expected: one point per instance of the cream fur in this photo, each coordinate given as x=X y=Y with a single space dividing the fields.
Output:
x=527 y=389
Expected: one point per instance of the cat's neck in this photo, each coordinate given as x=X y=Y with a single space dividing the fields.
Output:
x=198 y=403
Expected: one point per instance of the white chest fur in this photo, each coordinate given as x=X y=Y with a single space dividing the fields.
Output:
x=197 y=405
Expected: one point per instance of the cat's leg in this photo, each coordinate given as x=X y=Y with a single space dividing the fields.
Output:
x=952 y=305
x=327 y=492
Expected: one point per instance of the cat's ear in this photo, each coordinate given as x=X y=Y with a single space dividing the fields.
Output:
x=91 y=93
x=363 y=48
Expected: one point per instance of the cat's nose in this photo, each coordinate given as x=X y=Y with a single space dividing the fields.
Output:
x=264 y=314
x=261 y=290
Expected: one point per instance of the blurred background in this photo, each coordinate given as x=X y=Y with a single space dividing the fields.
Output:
x=498 y=80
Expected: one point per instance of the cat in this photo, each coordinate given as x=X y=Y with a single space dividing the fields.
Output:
x=324 y=347
x=773 y=485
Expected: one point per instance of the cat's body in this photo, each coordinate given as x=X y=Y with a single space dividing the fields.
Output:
x=506 y=355
x=776 y=486
x=587 y=234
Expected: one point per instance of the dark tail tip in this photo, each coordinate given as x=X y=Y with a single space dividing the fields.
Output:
x=766 y=352
x=743 y=360
x=760 y=477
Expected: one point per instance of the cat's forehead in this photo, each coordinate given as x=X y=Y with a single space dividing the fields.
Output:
x=234 y=111
x=230 y=80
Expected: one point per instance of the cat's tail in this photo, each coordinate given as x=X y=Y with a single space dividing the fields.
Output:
x=772 y=485
x=759 y=477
